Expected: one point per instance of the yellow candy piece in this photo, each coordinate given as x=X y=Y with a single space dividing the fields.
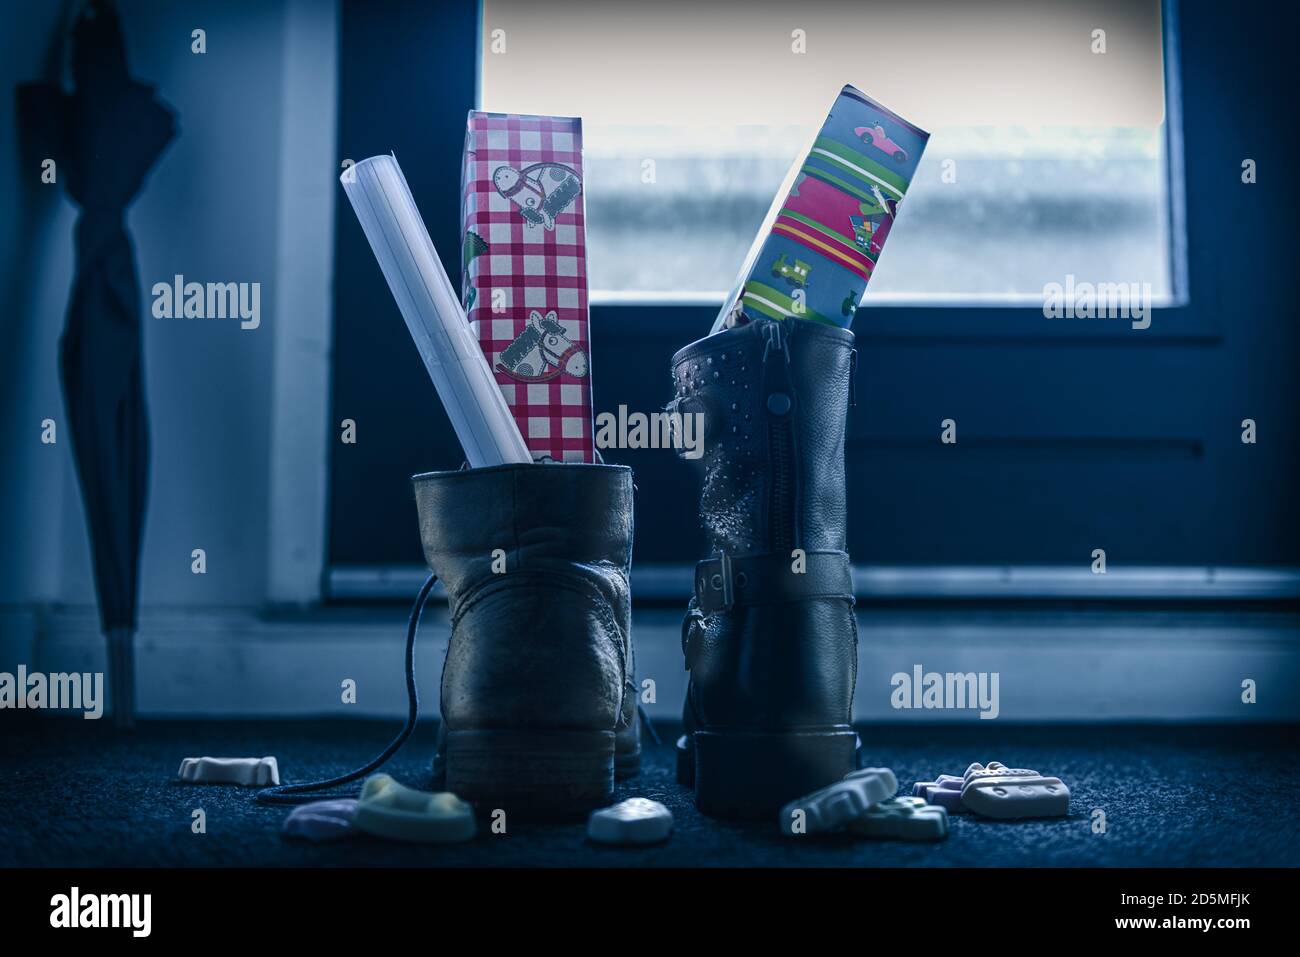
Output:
x=392 y=810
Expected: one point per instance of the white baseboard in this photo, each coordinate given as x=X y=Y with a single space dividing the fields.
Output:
x=1052 y=666
x=1184 y=583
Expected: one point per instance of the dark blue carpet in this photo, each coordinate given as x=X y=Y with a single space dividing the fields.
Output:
x=75 y=794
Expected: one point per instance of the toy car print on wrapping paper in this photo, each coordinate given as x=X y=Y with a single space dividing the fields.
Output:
x=524 y=282
x=877 y=137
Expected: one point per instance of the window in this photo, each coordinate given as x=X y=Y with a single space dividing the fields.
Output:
x=1076 y=435
x=1047 y=157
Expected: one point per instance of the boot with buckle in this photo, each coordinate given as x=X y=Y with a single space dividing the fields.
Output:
x=770 y=637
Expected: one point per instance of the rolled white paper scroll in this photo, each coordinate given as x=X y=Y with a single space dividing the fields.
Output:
x=474 y=403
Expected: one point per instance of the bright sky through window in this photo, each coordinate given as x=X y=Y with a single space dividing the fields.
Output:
x=1046 y=159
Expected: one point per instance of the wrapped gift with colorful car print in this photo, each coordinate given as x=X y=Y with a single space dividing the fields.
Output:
x=822 y=238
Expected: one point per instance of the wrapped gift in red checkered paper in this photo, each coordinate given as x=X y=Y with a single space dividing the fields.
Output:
x=524 y=279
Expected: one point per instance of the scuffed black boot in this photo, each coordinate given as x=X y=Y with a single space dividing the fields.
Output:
x=538 y=690
x=770 y=637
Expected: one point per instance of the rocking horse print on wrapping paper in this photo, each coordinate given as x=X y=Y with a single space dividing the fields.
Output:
x=542 y=191
x=542 y=351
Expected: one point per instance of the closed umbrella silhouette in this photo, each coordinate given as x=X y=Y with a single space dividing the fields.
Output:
x=104 y=136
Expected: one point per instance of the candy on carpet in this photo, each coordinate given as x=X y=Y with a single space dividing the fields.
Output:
x=1002 y=792
x=996 y=791
x=634 y=821
x=247 y=772
x=321 y=821
x=392 y=810
x=944 y=792
x=833 y=807
x=902 y=818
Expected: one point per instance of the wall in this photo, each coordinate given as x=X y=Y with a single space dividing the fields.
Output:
x=239 y=196
x=35 y=265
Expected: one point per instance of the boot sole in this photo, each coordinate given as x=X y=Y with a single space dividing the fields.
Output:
x=532 y=774
x=749 y=775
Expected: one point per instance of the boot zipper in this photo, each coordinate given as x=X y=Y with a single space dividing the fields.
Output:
x=778 y=395
x=782 y=507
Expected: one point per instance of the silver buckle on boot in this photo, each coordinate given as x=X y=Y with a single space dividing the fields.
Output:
x=715 y=591
x=721 y=581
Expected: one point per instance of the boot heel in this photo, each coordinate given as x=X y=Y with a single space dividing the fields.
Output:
x=531 y=773
x=751 y=775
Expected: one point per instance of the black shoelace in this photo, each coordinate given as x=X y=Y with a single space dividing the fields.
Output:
x=320 y=790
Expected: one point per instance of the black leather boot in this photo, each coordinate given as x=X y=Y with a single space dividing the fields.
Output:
x=538 y=690
x=770 y=637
